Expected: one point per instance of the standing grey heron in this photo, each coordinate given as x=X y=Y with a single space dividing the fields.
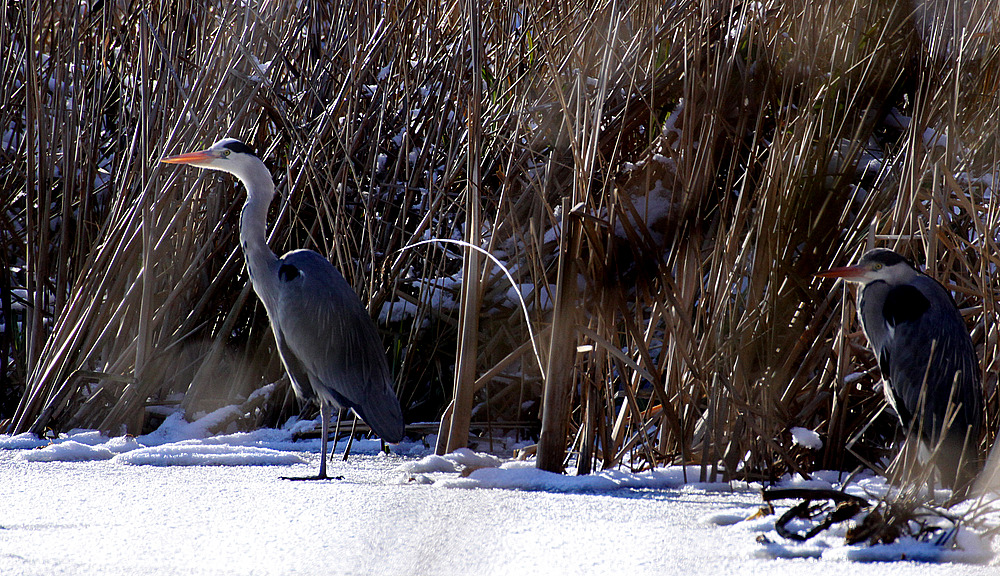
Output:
x=930 y=372
x=326 y=340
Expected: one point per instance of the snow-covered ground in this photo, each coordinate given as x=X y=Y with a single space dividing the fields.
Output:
x=175 y=502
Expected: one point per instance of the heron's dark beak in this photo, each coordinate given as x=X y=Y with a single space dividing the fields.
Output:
x=196 y=158
x=844 y=272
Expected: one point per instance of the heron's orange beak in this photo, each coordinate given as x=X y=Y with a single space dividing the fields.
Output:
x=189 y=158
x=844 y=272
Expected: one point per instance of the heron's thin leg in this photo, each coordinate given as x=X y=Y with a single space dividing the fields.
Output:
x=350 y=440
x=324 y=414
x=336 y=434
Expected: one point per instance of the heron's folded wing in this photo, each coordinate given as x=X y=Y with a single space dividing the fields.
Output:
x=325 y=326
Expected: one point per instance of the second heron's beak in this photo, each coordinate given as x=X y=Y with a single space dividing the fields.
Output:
x=200 y=158
x=848 y=272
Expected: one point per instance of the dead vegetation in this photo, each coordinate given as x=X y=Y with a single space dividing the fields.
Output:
x=687 y=167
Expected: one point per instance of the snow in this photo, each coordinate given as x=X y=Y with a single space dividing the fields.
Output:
x=397 y=311
x=806 y=438
x=649 y=209
x=897 y=120
x=180 y=501
x=193 y=453
x=453 y=462
x=932 y=138
x=523 y=475
x=525 y=293
x=436 y=293
x=68 y=451
x=24 y=441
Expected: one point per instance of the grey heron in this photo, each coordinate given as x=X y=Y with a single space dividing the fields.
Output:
x=326 y=339
x=930 y=372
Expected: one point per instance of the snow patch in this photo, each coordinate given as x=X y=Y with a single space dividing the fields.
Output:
x=806 y=438
x=195 y=453
x=523 y=475
x=68 y=451
x=180 y=443
x=453 y=462
x=25 y=441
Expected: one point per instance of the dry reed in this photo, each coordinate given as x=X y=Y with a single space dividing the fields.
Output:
x=688 y=166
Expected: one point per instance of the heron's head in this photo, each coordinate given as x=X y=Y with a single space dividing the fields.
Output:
x=877 y=264
x=229 y=155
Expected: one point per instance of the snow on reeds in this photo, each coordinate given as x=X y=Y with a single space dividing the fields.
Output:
x=687 y=166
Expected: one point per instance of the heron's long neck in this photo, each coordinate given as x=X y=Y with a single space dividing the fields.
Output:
x=253 y=229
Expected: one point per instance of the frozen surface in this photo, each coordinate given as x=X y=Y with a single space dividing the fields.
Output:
x=176 y=503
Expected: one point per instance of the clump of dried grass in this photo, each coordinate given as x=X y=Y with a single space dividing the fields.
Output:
x=687 y=167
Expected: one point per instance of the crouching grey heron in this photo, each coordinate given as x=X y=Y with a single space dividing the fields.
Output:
x=930 y=372
x=327 y=342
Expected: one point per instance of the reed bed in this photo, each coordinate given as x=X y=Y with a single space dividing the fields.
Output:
x=661 y=180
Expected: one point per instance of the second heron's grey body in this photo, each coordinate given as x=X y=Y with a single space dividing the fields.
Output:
x=928 y=362
x=919 y=339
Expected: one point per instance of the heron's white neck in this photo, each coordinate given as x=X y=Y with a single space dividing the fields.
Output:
x=253 y=225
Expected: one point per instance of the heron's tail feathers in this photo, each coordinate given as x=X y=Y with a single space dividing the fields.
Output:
x=382 y=413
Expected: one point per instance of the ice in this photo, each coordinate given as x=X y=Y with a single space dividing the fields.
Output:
x=179 y=501
x=724 y=518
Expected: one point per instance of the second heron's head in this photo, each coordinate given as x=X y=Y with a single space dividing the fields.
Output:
x=229 y=155
x=877 y=264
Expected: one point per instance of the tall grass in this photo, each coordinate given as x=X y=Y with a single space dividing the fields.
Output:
x=687 y=166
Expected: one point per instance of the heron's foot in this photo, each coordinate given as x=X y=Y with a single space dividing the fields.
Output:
x=316 y=477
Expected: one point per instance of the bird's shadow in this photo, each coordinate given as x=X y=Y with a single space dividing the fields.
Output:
x=317 y=477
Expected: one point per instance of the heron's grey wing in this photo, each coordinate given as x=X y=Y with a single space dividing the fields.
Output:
x=871 y=309
x=903 y=306
x=297 y=373
x=895 y=400
x=930 y=343
x=328 y=334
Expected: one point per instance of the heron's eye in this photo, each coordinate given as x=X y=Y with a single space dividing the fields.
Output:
x=876 y=266
x=225 y=153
